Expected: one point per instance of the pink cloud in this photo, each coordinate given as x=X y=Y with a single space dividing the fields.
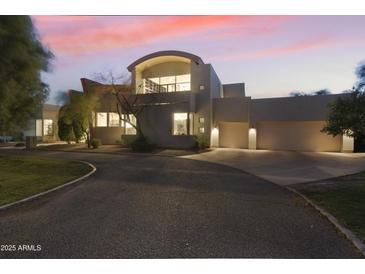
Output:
x=301 y=46
x=88 y=34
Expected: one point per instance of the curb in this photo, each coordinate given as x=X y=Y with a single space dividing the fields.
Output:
x=33 y=197
x=347 y=232
x=114 y=153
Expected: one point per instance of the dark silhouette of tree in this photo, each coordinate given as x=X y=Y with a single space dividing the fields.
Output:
x=347 y=114
x=22 y=59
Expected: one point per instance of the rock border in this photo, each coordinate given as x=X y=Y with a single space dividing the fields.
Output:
x=35 y=196
x=356 y=241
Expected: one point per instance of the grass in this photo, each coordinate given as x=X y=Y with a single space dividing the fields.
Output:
x=23 y=176
x=343 y=197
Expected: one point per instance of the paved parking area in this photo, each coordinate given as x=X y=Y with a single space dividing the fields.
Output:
x=286 y=167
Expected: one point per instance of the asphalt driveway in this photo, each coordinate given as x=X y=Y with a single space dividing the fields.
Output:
x=286 y=167
x=164 y=207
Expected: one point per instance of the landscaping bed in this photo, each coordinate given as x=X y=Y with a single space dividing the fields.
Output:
x=343 y=197
x=24 y=176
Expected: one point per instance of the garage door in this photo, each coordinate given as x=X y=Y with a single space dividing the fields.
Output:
x=233 y=135
x=301 y=136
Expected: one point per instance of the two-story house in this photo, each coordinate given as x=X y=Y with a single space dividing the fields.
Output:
x=190 y=100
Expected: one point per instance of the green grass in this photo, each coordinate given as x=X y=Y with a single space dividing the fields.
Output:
x=23 y=176
x=343 y=197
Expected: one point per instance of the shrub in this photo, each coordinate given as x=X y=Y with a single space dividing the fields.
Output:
x=201 y=142
x=95 y=143
x=20 y=144
x=122 y=142
x=141 y=144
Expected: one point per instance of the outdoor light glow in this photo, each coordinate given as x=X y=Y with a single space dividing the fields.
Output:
x=214 y=137
x=252 y=138
x=347 y=143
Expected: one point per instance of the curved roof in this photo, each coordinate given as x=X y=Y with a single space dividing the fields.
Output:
x=166 y=55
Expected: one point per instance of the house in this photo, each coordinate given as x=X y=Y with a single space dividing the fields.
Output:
x=45 y=124
x=190 y=100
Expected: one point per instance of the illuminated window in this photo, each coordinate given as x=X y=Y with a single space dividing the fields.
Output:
x=38 y=128
x=201 y=129
x=129 y=129
x=201 y=120
x=183 y=78
x=183 y=87
x=114 y=120
x=48 y=127
x=101 y=119
x=180 y=124
x=167 y=84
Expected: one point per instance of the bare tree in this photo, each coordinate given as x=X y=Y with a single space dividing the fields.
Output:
x=129 y=101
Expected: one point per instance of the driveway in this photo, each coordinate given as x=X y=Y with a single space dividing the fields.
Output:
x=163 y=207
x=286 y=167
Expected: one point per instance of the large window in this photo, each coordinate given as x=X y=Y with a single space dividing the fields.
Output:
x=167 y=84
x=180 y=124
x=114 y=120
x=38 y=128
x=101 y=119
x=47 y=127
x=129 y=129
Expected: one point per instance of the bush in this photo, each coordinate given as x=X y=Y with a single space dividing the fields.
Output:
x=141 y=144
x=122 y=142
x=95 y=143
x=201 y=143
x=20 y=144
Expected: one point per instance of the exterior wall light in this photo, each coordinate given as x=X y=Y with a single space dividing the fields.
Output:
x=214 y=137
x=252 y=137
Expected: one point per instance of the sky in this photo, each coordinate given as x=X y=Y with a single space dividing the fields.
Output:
x=272 y=55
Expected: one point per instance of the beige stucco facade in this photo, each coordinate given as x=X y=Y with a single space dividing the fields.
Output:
x=221 y=113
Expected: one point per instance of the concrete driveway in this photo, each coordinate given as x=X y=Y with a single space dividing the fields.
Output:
x=286 y=167
x=162 y=207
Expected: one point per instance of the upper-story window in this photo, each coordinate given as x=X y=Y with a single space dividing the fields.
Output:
x=167 y=84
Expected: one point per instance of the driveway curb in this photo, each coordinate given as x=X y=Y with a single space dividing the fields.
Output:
x=356 y=241
x=33 y=197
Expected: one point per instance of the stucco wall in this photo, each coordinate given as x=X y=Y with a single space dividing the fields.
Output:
x=301 y=108
x=289 y=135
x=233 y=135
x=234 y=90
x=231 y=109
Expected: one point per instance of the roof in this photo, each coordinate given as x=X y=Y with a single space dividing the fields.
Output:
x=179 y=55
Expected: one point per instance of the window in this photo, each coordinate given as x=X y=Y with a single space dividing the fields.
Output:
x=202 y=87
x=101 y=119
x=114 y=120
x=180 y=124
x=201 y=120
x=129 y=129
x=201 y=129
x=48 y=127
x=167 y=84
x=38 y=128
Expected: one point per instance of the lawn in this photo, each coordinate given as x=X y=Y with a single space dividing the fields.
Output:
x=23 y=176
x=343 y=197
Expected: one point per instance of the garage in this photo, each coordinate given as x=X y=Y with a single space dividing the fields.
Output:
x=233 y=135
x=301 y=136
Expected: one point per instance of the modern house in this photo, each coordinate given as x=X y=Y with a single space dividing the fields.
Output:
x=189 y=100
x=44 y=126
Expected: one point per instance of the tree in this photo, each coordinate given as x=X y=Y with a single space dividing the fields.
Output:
x=301 y=93
x=347 y=114
x=129 y=102
x=77 y=114
x=321 y=92
x=22 y=59
x=65 y=130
